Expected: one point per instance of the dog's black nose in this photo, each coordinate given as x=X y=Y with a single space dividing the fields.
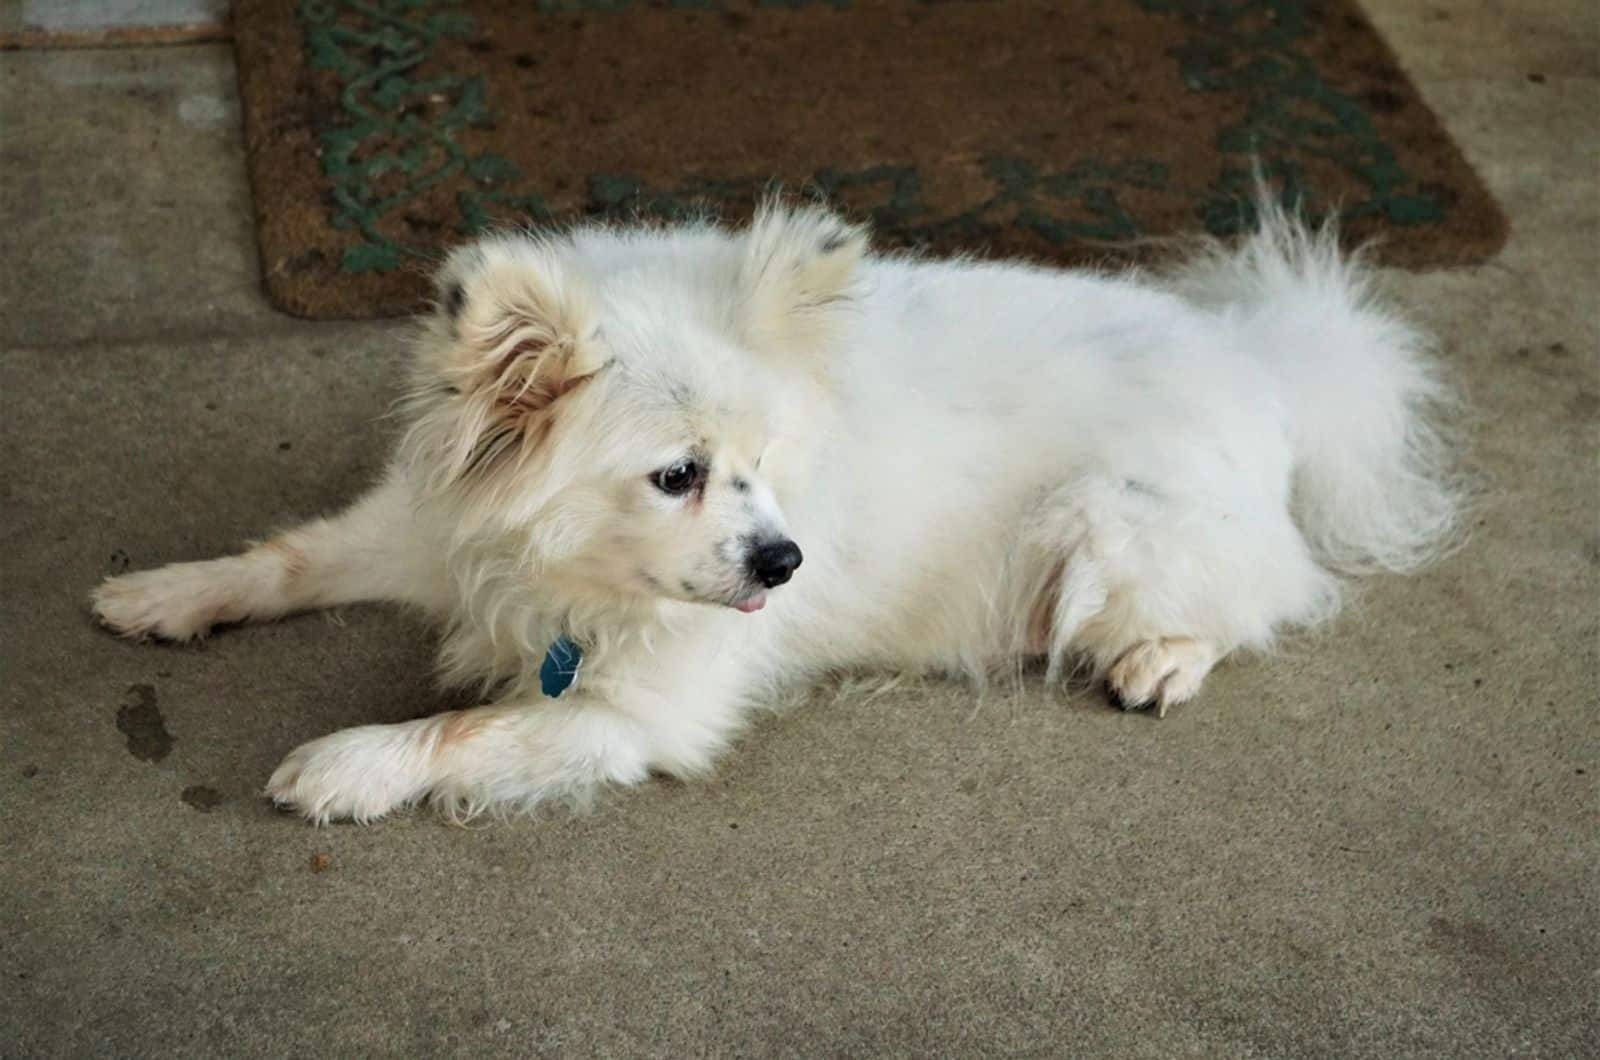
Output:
x=773 y=564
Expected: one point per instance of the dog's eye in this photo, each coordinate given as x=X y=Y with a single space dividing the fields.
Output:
x=677 y=479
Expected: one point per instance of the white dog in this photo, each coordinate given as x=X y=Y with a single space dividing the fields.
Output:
x=619 y=441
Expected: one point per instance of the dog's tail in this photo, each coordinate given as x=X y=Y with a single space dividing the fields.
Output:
x=1374 y=486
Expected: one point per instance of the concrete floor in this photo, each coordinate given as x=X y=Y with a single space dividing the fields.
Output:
x=1384 y=842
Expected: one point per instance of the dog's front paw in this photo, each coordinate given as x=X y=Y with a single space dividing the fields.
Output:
x=180 y=602
x=1163 y=672
x=357 y=774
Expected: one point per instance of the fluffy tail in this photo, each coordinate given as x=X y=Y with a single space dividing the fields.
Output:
x=1374 y=485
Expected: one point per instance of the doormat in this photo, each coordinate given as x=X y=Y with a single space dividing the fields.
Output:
x=382 y=132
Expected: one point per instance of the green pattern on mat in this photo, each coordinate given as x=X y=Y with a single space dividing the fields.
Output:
x=398 y=137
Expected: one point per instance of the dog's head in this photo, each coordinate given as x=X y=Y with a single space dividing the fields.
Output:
x=630 y=408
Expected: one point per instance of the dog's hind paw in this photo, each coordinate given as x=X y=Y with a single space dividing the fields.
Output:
x=1161 y=672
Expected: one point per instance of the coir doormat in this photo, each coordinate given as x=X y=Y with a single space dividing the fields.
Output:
x=380 y=132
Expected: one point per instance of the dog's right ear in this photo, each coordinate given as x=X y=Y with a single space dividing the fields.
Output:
x=797 y=274
x=513 y=333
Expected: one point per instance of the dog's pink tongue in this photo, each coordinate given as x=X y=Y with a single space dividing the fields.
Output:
x=752 y=605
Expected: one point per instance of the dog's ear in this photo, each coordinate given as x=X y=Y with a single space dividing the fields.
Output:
x=796 y=275
x=513 y=334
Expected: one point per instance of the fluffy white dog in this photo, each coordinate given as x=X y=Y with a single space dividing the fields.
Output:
x=620 y=443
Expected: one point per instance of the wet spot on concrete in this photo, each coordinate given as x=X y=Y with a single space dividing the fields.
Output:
x=202 y=798
x=29 y=772
x=284 y=447
x=1584 y=405
x=1536 y=78
x=140 y=720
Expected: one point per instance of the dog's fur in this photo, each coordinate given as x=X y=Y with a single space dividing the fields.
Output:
x=1125 y=474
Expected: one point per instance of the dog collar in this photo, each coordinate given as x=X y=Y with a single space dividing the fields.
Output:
x=560 y=667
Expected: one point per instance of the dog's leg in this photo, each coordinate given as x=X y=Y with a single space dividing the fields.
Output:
x=1162 y=672
x=372 y=551
x=1178 y=581
x=510 y=756
x=670 y=712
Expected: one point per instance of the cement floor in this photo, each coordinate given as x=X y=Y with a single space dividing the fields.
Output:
x=1384 y=842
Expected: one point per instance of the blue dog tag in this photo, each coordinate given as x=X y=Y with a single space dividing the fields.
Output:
x=560 y=667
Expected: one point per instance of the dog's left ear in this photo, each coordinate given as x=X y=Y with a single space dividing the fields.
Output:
x=796 y=275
